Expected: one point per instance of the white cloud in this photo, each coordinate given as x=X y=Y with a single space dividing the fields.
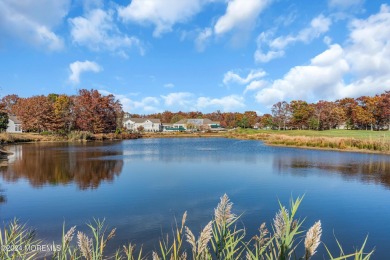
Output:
x=232 y=77
x=361 y=67
x=240 y=14
x=161 y=13
x=227 y=104
x=344 y=4
x=79 y=67
x=255 y=85
x=318 y=26
x=176 y=101
x=145 y=105
x=202 y=39
x=179 y=99
x=34 y=21
x=97 y=31
x=319 y=79
x=189 y=102
x=169 y=85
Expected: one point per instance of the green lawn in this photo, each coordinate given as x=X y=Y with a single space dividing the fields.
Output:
x=359 y=134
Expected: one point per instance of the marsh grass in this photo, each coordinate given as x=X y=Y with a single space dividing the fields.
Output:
x=377 y=142
x=221 y=238
x=15 y=240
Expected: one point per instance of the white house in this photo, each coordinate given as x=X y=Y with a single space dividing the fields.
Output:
x=149 y=124
x=14 y=125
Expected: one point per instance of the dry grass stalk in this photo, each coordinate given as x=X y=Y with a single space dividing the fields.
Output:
x=312 y=239
x=199 y=247
x=69 y=235
x=262 y=239
x=191 y=240
x=204 y=238
x=280 y=222
x=111 y=235
x=155 y=256
x=85 y=245
x=223 y=215
x=183 y=220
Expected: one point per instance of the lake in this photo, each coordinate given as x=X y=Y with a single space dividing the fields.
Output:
x=140 y=186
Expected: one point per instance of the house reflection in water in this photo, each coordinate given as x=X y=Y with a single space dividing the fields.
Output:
x=59 y=164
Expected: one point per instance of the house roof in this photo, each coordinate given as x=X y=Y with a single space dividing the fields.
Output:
x=14 y=119
x=142 y=120
x=156 y=121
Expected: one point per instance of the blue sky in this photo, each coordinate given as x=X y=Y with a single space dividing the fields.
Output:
x=206 y=55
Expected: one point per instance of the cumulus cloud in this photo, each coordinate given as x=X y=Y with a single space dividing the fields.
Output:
x=175 y=101
x=360 y=67
x=179 y=99
x=344 y=4
x=202 y=39
x=163 y=14
x=240 y=14
x=79 y=67
x=324 y=73
x=145 y=105
x=255 y=85
x=34 y=21
x=226 y=104
x=233 y=77
x=98 y=31
x=276 y=46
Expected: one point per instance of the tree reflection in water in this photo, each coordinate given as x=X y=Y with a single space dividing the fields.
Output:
x=87 y=165
x=369 y=169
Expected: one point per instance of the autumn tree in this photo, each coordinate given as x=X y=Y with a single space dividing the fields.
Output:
x=384 y=110
x=96 y=113
x=166 y=116
x=281 y=113
x=301 y=112
x=3 y=118
x=266 y=121
x=36 y=113
x=63 y=111
x=8 y=102
x=348 y=104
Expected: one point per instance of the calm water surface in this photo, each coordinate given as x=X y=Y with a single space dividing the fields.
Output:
x=140 y=186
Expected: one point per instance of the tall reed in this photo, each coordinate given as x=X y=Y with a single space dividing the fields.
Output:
x=221 y=238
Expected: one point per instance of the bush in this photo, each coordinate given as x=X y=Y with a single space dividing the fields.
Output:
x=80 y=136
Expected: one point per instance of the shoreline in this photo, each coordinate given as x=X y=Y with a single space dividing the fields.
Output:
x=326 y=143
x=269 y=139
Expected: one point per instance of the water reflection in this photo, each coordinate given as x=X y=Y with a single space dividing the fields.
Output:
x=373 y=170
x=60 y=164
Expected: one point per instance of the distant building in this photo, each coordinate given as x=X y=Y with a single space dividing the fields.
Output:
x=149 y=124
x=201 y=124
x=170 y=128
x=14 y=125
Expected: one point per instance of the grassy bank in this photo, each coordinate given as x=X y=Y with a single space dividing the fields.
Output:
x=222 y=238
x=345 y=140
x=7 y=138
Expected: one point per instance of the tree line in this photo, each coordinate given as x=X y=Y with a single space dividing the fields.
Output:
x=365 y=112
x=91 y=111
x=87 y=111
